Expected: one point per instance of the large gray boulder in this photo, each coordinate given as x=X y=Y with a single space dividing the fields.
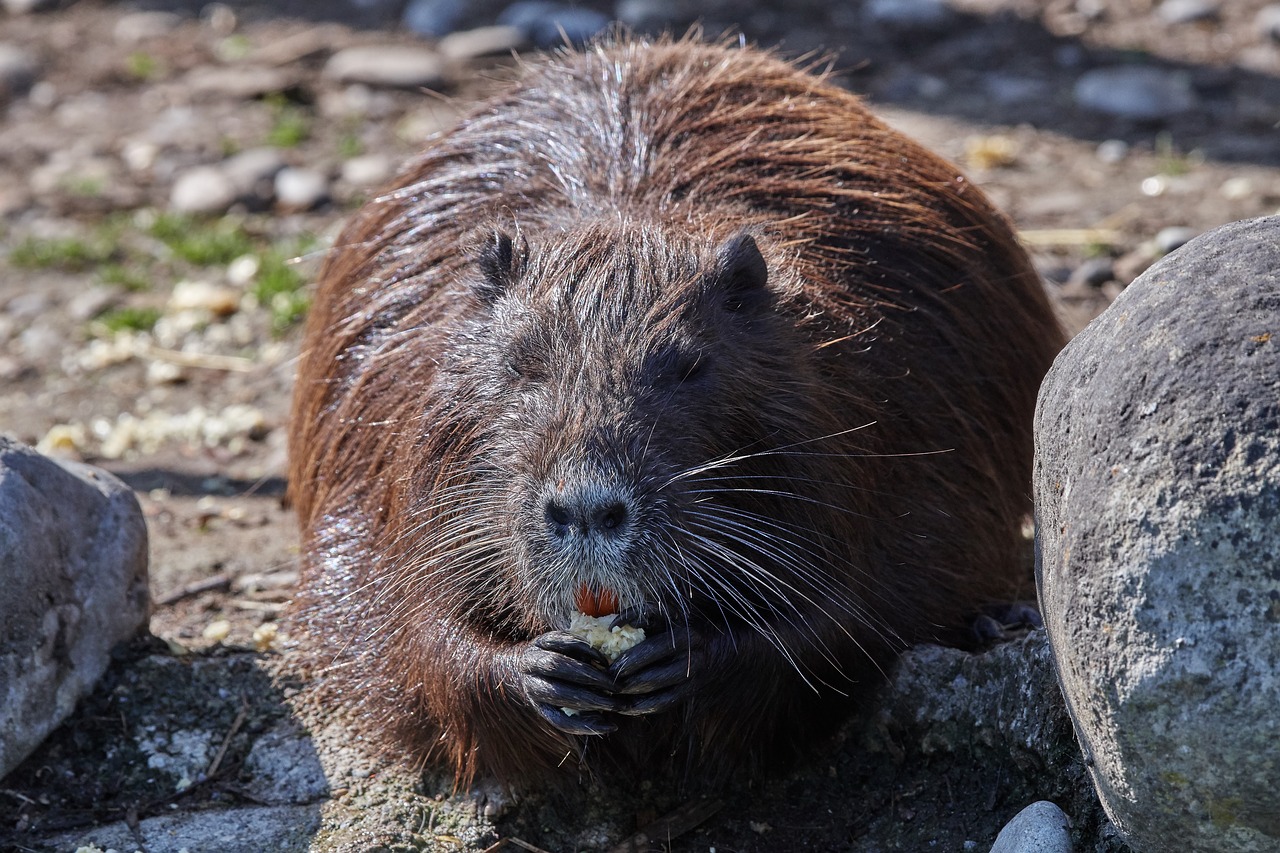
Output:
x=73 y=583
x=1157 y=486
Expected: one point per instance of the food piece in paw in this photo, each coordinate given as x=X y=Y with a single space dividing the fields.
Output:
x=600 y=632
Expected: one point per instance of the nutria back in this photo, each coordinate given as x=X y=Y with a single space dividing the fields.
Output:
x=674 y=330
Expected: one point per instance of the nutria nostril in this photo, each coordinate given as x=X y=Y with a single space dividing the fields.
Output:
x=585 y=515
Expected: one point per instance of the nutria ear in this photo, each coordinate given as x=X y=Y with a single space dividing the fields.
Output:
x=497 y=260
x=741 y=273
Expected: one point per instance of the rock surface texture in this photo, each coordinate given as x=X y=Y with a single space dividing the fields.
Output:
x=73 y=583
x=1158 y=495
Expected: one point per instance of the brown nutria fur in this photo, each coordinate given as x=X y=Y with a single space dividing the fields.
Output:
x=683 y=326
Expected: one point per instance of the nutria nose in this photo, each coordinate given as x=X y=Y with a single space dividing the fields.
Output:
x=589 y=516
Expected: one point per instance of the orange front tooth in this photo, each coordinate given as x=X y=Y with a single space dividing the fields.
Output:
x=608 y=603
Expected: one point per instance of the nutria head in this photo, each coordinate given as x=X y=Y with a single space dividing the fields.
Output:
x=611 y=376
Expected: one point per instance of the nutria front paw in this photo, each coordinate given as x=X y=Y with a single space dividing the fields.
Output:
x=564 y=679
x=659 y=672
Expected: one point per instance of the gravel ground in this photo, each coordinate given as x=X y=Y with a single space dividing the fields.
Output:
x=171 y=172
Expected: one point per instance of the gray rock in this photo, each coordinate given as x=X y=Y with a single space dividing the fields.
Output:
x=240 y=82
x=1174 y=237
x=1112 y=151
x=1039 y=828
x=1157 y=485
x=247 y=829
x=433 y=18
x=392 y=66
x=1187 y=11
x=1135 y=92
x=18 y=71
x=301 y=189
x=203 y=189
x=252 y=172
x=369 y=170
x=908 y=15
x=22 y=7
x=482 y=41
x=136 y=27
x=1267 y=22
x=73 y=558
x=283 y=768
x=649 y=15
x=548 y=24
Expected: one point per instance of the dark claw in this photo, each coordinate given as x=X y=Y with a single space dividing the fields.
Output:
x=537 y=662
x=636 y=617
x=543 y=691
x=673 y=673
x=656 y=702
x=647 y=653
x=564 y=643
x=578 y=724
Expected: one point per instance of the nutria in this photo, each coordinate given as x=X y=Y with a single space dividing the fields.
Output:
x=676 y=330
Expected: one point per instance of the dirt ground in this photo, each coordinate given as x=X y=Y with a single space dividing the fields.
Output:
x=161 y=346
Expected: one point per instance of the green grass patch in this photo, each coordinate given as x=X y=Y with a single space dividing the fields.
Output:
x=290 y=125
x=128 y=319
x=202 y=242
x=142 y=66
x=281 y=288
x=69 y=254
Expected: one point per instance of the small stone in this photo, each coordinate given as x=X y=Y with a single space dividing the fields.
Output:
x=18 y=71
x=22 y=7
x=1136 y=92
x=239 y=82
x=243 y=270
x=1112 y=151
x=1011 y=89
x=1187 y=11
x=1237 y=189
x=1174 y=237
x=1267 y=22
x=392 y=66
x=433 y=18
x=648 y=15
x=73 y=545
x=204 y=189
x=137 y=27
x=1039 y=828
x=908 y=15
x=217 y=630
x=369 y=170
x=301 y=189
x=552 y=24
x=482 y=41
x=189 y=295
x=219 y=18
x=252 y=172
x=89 y=303
x=1094 y=272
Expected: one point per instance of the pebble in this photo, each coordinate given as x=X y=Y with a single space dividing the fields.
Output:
x=392 y=66
x=482 y=41
x=1011 y=89
x=301 y=189
x=17 y=70
x=1039 y=828
x=908 y=15
x=1174 y=237
x=252 y=172
x=136 y=27
x=241 y=82
x=1267 y=22
x=1112 y=151
x=1236 y=189
x=369 y=170
x=196 y=295
x=22 y=7
x=551 y=24
x=648 y=15
x=433 y=18
x=1093 y=272
x=204 y=189
x=1187 y=11
x=1135 y=92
